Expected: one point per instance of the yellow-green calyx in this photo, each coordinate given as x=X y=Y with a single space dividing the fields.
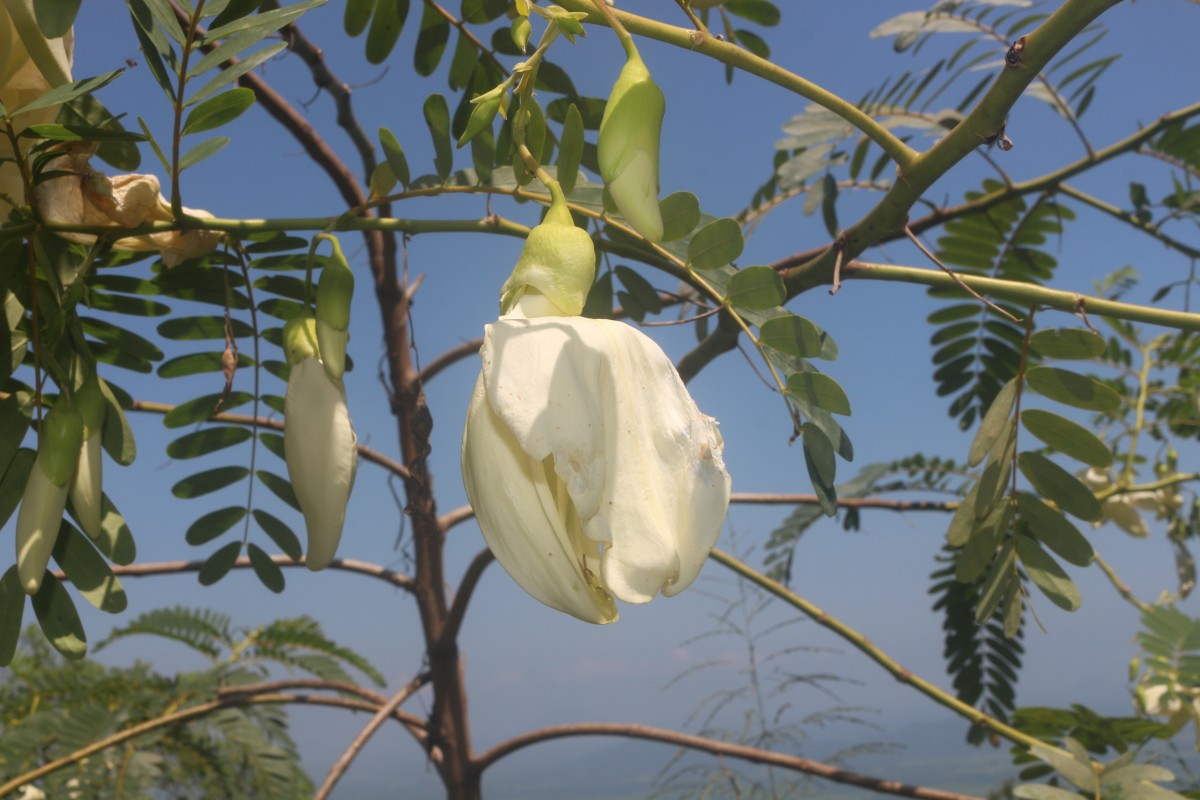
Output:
x=62 y=436
x=628 y=147
x=335 y=290
x=556 y=267
x=300 y=339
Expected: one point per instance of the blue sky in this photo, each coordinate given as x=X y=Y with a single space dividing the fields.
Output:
x=527 y=665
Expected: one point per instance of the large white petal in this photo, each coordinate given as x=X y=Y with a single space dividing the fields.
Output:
x=322 y=456
x=527 y=518
x=641 y=463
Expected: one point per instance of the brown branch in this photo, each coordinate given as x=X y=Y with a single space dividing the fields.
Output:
x=483 y=49
x=458 y=608
x=364 y=452
x=386 y=710
x=396 y=579
x=314 y=59
x=751 y=754
x=450 y=357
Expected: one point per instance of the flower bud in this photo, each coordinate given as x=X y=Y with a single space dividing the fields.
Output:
x=556 y=266
x=45 y=494
x=86 y=488
x=334 y=293
x=628 y=147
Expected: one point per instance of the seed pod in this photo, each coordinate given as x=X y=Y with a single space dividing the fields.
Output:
x=45 y=494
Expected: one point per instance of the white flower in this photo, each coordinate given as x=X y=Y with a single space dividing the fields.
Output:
x=1122 y=508
x=591 y=471
x=320 y=446
x=46 y=489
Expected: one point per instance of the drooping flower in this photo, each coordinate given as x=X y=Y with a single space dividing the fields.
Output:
x=628 y=144
x=45 y=496
x=320 y=446
x=592 y=473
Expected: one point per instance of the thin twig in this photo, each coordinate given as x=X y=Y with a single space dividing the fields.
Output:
x=147 y=569
x=458 y=608
x=921 y=246
x=385 y=712
x=754 y=755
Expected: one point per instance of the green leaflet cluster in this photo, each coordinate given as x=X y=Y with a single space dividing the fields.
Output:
x=978 y=349
x=1000 y=529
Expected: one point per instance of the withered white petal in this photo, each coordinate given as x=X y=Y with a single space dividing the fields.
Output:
x=321 y=451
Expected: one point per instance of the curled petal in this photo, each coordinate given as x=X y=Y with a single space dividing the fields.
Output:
x=321 y=453
x=527 y=520
x=38 y=522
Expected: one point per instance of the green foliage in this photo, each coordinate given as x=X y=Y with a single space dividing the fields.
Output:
x=50 y=708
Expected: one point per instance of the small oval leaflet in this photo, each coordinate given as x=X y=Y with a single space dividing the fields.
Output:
x=819 y=390
x=280 y=534
x=755 y=288
x=1067 y=437
x=1047 y=575
x=58 y=618
x=208 y=440
x=994 y=423
x=88 y=571
x=209 y=481
x=1072 y=389
x=1054 y=530
x=217 y=565
x=1056 y=484
x=1068 y=343
x=680 y=215
x=793 y=335
x=265 y=568
x=213 y=524
x=716 y=244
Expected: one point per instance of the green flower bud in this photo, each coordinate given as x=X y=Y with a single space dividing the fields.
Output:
x=87 y=483
x=334 y=293
x=62 y=436
x=482 y=114
x=300 y=339
x=520 y=32
x=628 y=147
x=558 y=263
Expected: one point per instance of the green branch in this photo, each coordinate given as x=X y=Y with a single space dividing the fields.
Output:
x=731 y=55
x=1026 y=294
x=877 y=655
